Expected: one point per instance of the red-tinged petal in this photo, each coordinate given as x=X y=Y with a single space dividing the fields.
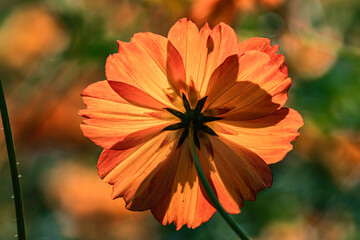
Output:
x=142 y=64
x=202 y=52
x=135 y=96
x=175 y=69
x=222 y=79
x=241 y=170
x=184 y=203
x=138 y=174
x=269 y=136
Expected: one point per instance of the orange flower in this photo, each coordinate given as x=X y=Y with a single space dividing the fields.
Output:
x=229 y=95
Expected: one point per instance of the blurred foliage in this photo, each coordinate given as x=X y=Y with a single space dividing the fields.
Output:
x=50 y=50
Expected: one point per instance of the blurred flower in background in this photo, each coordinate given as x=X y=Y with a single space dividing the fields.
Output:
x=216 y=11
x=339 y=152
x=25 y=42
x=310 y=56
x=88 y=212
x=50 y=50
x=308 y=228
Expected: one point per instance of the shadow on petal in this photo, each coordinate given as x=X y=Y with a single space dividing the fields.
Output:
x=246 y=100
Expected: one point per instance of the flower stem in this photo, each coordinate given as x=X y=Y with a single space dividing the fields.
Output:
x=13 y=166
x=237 y=229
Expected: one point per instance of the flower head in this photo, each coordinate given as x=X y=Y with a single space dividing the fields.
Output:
x=230 y=95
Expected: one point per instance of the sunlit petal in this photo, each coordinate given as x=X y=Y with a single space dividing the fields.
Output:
x=113 y=123
x=184 y=203
x=142 y=64
x=138 y=173
x=269 y=136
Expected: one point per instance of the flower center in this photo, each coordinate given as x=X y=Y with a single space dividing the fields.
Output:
x=192 y=119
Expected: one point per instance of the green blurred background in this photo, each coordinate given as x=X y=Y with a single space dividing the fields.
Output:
x=50 y=50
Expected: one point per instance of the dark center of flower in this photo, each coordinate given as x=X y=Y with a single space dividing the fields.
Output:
x=192 y=119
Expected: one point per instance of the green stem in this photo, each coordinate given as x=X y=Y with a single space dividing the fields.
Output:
x=13 y=166
x=212 y=195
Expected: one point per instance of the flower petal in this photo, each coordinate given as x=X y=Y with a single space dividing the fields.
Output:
x=263 y=45
x=138 y=174
x=153 y=188
x=184 y=203
x=222 y=79
x=175 y=69
x=240 y=171
x=221 y=44
x=229 y=197
x=269 y=136
x=102 y=90
x=122 y=136
x=258 y=44
x=202 y=52
x=100 y=98
x=142 y=64
x=113 y=123
x=135 y=96
x=261 y=88
x=184 y=35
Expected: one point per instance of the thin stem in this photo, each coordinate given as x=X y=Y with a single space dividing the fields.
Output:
x=212 y=195
x=13 y=166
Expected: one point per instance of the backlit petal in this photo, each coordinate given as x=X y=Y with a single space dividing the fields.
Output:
x=124 y=135
x=229 y=197
x=261 y=88
x=102 y=90
x=175 y=69
x=135 y=96
x=241 y=170
x=222 y=79
x=202 y=52
x=184 y=203
x=113 y=123
x=222 y=43
x=138 y=174
x=269 y=136
x=263 y=45
x=142 y=64
x=184 y=35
